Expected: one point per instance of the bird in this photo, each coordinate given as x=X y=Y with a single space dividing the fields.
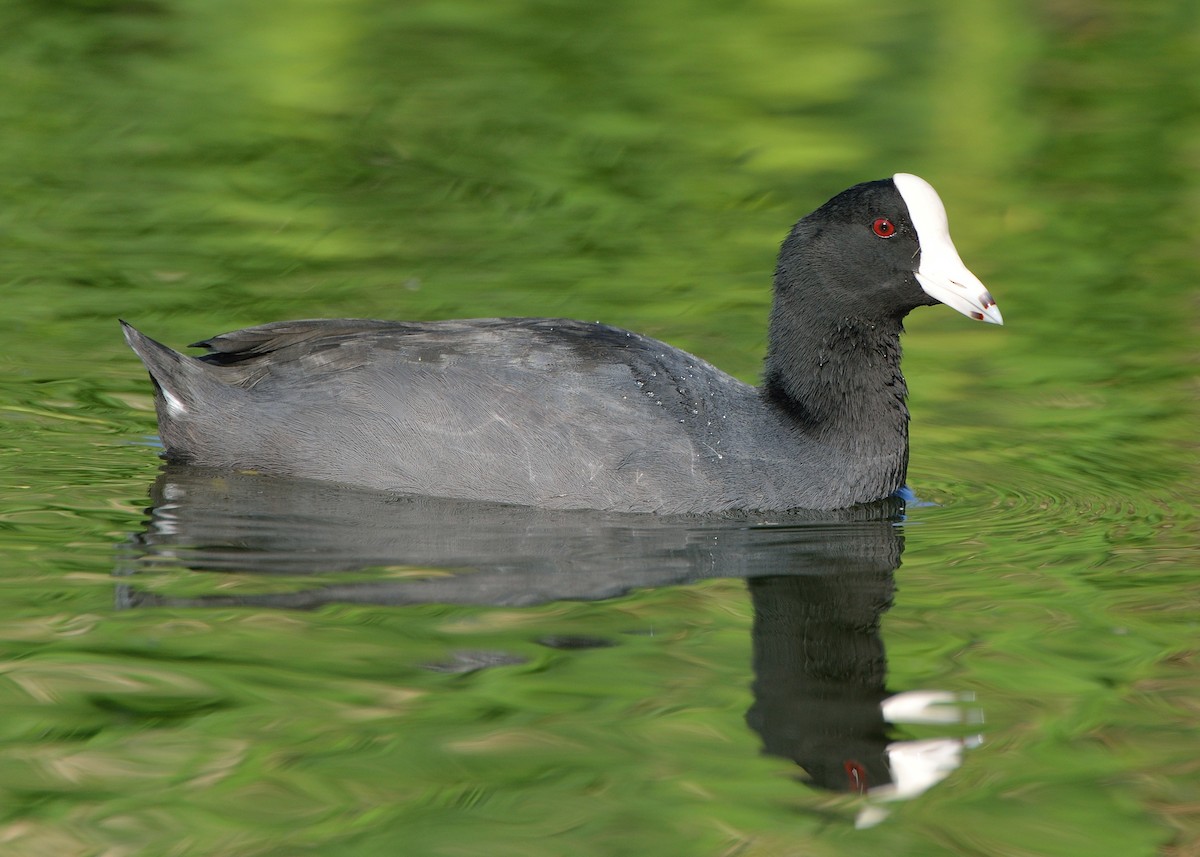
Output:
x=563 y=414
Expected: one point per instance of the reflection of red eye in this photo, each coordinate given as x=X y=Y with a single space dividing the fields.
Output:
x=857 y=776
x=884 y=228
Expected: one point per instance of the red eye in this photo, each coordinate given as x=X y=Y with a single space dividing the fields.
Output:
x=883 y=227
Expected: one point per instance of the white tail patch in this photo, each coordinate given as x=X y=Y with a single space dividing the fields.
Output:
x=175 y=407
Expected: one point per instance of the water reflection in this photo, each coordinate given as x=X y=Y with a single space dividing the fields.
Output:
x=819 y=584
x=820 y=696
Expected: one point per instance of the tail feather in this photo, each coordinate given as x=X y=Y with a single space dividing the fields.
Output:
x=180 y=380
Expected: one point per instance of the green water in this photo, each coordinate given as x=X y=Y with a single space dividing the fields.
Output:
x=200 y=165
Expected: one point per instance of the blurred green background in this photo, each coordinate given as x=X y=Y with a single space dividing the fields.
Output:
x=195 y=166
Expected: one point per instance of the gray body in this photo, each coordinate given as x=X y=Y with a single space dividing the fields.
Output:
x=541 y=412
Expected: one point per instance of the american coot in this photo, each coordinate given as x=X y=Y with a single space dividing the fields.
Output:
x=573 y=415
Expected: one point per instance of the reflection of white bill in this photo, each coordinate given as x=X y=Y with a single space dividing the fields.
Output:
x=930 y=706
x=917 y=766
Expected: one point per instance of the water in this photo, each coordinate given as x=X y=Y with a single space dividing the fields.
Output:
x=200 y=663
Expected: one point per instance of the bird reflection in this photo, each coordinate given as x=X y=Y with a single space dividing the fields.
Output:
x=819 y=582
x=820 y=674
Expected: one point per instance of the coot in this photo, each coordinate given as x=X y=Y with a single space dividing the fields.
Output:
x=573 y=415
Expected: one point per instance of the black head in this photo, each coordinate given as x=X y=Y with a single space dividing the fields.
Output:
x=856 y=256
x=874 y=253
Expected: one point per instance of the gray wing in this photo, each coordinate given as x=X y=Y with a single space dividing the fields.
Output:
x=546 y=412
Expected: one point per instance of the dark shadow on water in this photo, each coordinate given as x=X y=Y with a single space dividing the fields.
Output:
x=819 y=584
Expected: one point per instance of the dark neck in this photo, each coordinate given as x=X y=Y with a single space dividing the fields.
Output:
x=838 y=381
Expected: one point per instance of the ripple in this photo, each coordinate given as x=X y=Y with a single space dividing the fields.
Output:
x=1083 y=513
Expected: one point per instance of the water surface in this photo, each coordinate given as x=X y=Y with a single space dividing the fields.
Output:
x=198 y=663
